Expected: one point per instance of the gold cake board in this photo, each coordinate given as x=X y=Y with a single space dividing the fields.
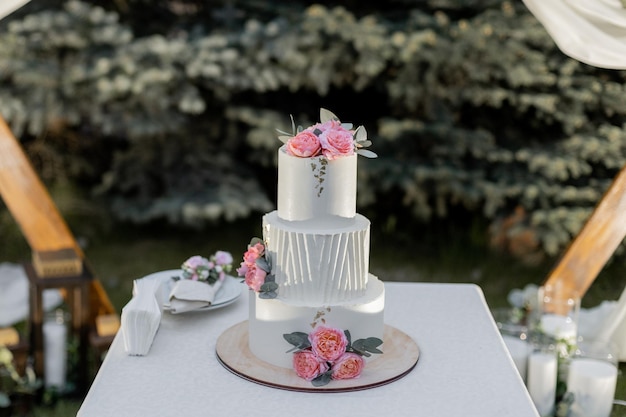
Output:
x=400 y=355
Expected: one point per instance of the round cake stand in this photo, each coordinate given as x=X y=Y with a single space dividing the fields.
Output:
x=399 y=357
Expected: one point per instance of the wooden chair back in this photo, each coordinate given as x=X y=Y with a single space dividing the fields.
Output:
x=35 y=212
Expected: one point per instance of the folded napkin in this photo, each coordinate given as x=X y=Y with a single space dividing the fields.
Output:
x=188 y=295
x=141 y=317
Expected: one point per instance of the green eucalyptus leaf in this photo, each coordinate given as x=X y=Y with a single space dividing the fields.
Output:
x=322 y=380
x=255 y=240
x=262 y=263
x=268 y=295
x=298 y=339
x=360 y=134
x=347 y=126
x=369 y=344
x=366 y=153
x=327 y=115
x=269 y=286
x=284 y=138
x=293 y=125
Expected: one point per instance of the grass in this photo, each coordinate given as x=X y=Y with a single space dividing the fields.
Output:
x=122 y=253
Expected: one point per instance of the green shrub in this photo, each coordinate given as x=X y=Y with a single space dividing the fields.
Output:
x=470 y=106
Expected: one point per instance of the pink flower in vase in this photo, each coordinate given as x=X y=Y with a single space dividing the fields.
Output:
x=348 y=366
x=328 y=343
x=307 y=365
x=304 y=145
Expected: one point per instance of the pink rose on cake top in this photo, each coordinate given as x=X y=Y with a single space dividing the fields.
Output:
x=329 y=138
x=304 y=145
x=199 y=282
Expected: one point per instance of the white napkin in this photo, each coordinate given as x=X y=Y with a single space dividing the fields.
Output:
x=141 y=317
x=189 y=295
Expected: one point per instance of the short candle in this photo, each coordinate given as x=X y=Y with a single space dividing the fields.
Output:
x=542 y=376
x=592 y=382
x=55 y=354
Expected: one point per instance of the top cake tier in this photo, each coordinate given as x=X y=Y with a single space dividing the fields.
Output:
x=311 y=188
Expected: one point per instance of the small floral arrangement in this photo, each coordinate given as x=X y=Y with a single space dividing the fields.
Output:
x=199 y=268
x=328 y=354
x=329 y=138
x=256 y=268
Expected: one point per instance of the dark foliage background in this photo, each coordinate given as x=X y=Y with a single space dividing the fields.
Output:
x=167 y=110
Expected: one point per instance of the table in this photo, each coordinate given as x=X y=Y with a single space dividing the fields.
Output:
x=464 y=368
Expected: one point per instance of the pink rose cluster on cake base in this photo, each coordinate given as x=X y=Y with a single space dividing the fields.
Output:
x=310 y=269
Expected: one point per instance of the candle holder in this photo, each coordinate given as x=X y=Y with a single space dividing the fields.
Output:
x=558 y=318
x=592 y=378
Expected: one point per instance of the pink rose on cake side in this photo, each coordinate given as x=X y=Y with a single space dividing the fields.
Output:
x=255 y=278
x=304 y=145
x=328 y=343
x=256 y=270
x=308 y=365
x=348 y=366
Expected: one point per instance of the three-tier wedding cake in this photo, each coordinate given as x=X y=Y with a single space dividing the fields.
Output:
x=315 y=306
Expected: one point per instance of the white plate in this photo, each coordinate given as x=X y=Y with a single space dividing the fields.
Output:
x=227 y=294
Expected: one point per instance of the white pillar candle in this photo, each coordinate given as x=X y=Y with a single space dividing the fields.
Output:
x=519 y=350
x=55 y=354
x=560 y=327
x=541 y=381
x=592 y=382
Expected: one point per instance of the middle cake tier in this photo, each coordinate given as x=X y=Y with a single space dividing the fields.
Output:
x=318 y=262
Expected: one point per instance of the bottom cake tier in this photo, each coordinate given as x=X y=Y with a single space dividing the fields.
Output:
x=270 y=319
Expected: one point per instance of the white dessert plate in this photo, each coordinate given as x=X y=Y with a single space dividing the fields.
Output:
x=228 y=293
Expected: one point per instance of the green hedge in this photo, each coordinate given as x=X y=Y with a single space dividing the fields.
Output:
x=470 y=106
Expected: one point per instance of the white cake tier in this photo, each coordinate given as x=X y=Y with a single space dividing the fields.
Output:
x=319 y=262
x=315 y=187
x=269 y=320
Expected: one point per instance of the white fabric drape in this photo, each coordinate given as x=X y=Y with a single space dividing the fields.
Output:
x=590 y=31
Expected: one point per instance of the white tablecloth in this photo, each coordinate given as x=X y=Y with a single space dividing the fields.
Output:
x=463 y=370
